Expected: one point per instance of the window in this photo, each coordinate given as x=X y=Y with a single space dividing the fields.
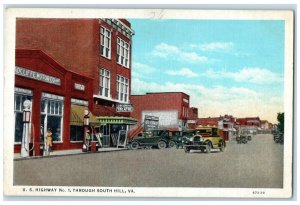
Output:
x=51 y=117
x=122 y=88
x=18 y=107
x=105 y=41
x=104 y=89
x=76 y=133
x=123 y=53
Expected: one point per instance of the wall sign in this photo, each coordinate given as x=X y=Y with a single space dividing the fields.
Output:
x=151 y=122
x=124 y=107
x=37 y=75
x=23 y=91
x=79 y=102
x=78 y=86
x=185 y=100
x=52 y=96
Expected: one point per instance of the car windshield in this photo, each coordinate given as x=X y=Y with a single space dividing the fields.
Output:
x=158 y=132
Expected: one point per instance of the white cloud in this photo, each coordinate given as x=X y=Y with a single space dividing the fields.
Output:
x=143 y=71
x=182 y=72
x=140 y=67
x=215 y=101
x=214 y=46
x=249 y=75
x=164 y=50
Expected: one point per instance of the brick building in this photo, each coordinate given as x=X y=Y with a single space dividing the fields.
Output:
x=65 y=66
x=172 y=108
x=252 y=124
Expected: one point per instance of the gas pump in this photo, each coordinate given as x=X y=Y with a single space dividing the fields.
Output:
x=25 y=149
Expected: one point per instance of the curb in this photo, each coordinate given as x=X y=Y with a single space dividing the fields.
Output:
x=71 y=154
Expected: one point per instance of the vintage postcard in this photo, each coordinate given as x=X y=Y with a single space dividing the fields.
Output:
x=148 y=103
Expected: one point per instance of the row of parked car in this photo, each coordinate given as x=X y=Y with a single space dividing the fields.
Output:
x=203 y=139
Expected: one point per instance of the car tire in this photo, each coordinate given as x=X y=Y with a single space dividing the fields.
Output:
x=208 y=148
x=134 y=145
x=172 y=144
x=186 y=150
x=162 y=145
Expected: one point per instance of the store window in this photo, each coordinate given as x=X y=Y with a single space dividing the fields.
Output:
x=77 y=133
x=123 y=53
x=52 y=116
x=122 y=88
x=105 y=42
x=18 y=108
x=104 y=89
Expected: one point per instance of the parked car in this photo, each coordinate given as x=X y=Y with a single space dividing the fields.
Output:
x=178 y=138
x=154 y=138
x=205 y=139
x=244 y=137
x=278 y=137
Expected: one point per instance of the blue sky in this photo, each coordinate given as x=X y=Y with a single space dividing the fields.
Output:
x=227 y=67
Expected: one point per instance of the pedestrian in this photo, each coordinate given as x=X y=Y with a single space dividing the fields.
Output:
x=87 y=140
x=49 y=140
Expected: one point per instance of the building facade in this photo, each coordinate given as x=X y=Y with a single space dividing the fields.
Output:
x=251 y=124
x=171 y=108
x=65 y=66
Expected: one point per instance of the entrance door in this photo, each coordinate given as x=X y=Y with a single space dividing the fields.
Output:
x=106 y=135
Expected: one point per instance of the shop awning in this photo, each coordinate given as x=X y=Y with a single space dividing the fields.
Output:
x=77 y=114
x=116 y=120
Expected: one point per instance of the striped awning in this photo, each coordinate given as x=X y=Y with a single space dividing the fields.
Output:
x=117 y=120
x=77 y=114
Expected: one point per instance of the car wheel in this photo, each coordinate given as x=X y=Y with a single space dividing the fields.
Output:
x=134 y=145
x=172 y=144
x=222 y=147
x=186 y=150
x=208 y=147
x=162 y=144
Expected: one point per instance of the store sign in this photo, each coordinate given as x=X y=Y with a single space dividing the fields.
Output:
x=37 y=76
x=79 y=102
x=185 y=100
x=124 y=107
x=78 y=86
x=191 y=121
x=151 y=122
x=52 y=96
x=23 y=91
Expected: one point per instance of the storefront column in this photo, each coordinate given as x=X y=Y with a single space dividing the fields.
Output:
x=36 y=122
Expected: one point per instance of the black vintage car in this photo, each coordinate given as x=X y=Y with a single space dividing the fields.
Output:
x=153 y=138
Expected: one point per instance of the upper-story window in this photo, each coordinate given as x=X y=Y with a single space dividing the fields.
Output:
x=105 y=42
x=104 y=89
x=122 y=88
x=123 y=53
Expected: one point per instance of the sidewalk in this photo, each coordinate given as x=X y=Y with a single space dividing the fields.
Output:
x=58 y=153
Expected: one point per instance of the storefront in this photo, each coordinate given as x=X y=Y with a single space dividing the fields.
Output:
x=53 y=92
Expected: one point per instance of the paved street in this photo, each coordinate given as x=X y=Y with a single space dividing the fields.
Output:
x=256 y=164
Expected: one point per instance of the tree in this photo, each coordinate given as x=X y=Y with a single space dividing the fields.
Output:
x=280 y=119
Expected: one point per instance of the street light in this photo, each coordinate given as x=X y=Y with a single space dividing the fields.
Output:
x=25 y=134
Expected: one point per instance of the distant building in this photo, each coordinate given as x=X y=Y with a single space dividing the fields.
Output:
x=226 y=124
x=171 y=108
x=251 y=124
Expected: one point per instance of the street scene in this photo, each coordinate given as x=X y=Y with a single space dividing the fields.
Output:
x=257 y=164
x=112 y=102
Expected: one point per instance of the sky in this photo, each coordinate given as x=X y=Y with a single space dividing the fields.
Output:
x=226 y=66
